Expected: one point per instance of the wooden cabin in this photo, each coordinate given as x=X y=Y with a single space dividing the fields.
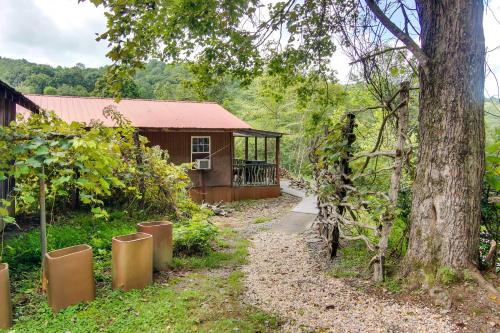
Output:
x=9 y=99
x=231 y=160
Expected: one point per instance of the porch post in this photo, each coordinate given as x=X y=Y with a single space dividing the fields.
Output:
x=255 y=149
x=246 y=148
x=277 y=160
x=265 y=149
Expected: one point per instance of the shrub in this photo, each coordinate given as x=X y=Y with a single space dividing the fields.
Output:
x=23 y=251
x=446 y=275
x=194 y=237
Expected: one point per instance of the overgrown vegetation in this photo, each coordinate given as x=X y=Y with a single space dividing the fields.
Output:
x=193 y=301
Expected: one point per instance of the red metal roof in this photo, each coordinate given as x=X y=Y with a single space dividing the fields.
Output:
x=142 y=113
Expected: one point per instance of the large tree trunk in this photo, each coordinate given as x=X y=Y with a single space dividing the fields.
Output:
x=447 y=190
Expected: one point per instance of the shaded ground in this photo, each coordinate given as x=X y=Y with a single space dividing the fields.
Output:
x=287 y=275
x=282 y=277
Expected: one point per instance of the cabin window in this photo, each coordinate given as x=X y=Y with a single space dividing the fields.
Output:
x=200 y=150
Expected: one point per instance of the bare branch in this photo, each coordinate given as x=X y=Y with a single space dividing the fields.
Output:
x=388 y=153
x=354 y=223
x=369 y=245
x=377 y=53
x=398 y=33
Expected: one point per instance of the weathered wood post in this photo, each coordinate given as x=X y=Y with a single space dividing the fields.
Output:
x=277 y=160
x=389 y=216
x=140 y=166
x=344 y=172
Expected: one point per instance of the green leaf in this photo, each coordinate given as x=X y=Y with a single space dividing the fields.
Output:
x=42 y=150
x=33 y=162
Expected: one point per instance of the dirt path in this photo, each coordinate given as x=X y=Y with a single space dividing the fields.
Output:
x=282 y=277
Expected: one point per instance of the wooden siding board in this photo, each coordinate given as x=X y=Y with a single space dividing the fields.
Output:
x=178 y=145
x=228 y=194
x=255 y=192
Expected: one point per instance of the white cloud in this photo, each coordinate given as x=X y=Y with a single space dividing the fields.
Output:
x=62 y=32
x=55 y=32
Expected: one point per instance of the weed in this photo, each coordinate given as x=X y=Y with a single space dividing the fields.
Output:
x=262 y=220
x=446 y=275
x=352 y=262
x=391 y=285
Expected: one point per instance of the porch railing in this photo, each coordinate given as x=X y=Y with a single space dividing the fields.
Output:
x=253 y=173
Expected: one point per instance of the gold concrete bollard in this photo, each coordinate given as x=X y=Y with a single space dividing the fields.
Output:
x=162 y=242
x=132 y=261
x=69 y=276
x=5 y=302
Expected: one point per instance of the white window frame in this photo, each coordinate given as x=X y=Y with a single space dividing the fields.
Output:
x=209 y=148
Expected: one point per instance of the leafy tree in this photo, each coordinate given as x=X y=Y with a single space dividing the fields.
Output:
x=49 y=90
x=451 y=72
x=127 y=89
x=52 y=161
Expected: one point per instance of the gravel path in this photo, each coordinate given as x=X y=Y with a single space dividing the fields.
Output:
x=281 y=277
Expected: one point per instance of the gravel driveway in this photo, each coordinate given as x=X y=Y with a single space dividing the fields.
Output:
x=281 y=277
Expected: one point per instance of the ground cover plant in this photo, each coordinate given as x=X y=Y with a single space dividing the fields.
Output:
x=189 y=298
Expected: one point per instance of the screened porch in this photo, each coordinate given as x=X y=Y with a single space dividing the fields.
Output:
x=256 y=158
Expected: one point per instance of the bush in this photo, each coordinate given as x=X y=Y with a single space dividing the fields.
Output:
x=194 y=237
x=23 y=251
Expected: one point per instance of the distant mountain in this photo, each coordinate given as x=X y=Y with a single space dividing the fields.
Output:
x=156 y=81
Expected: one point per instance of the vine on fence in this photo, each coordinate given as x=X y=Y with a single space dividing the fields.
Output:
x=350 y=208
x=59 y=163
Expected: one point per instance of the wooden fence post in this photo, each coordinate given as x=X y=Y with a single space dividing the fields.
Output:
x=389 y=216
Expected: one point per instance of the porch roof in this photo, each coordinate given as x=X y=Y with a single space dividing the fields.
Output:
x=254 y=133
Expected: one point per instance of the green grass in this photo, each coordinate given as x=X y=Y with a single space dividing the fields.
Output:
x=262 y=220
x=201 y=300
x=391 y=284
x=446 y=276
x=352 y=262
x=195 y=303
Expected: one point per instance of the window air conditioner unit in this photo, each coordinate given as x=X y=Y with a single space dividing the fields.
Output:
x=202 y=164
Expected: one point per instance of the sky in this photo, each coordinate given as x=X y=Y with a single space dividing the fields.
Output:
x=63 y=32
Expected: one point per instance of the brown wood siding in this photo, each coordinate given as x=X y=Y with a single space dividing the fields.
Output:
x=212 y=194
x=255 y=192
x=228 y=194
x=178 y=145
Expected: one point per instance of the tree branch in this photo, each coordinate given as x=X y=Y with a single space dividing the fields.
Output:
x=375 y=54
x=399 y=34
x=388 y=153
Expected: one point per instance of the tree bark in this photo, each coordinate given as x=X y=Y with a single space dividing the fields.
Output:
x=446 y=214
x=331 y=215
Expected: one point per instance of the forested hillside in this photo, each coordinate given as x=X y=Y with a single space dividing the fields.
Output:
x=266 y=103
x=156 y=81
